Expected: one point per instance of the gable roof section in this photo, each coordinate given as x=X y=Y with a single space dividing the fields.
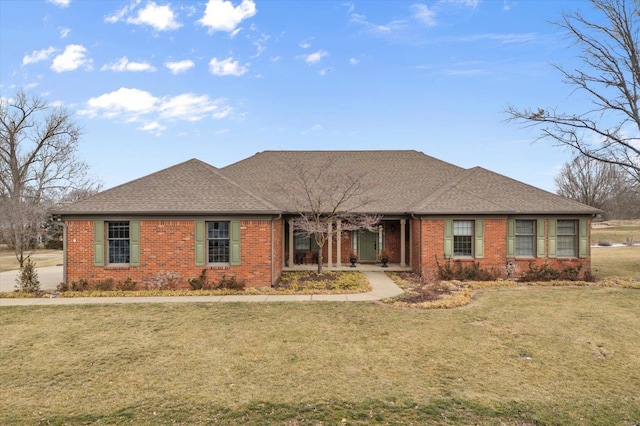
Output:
x=479 y=191
x=395 y=179
x=190 y=187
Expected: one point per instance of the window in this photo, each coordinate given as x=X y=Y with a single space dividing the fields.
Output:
x=218 y=242
x=525 y=237
x=119 y=243
x=567 y=238
x=463 y=238
x=301 y=242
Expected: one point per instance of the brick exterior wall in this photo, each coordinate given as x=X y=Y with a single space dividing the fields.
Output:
x=168 y=246
x=495 y=252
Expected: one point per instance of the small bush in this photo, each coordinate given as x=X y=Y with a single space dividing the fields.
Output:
x=231 y=283
x=27 y=280
x=473 y=272
x=126 y=285
x=62 y=287
x=546 y=273
x=164 y=281
x=105 y=285
x=80 y=285
x=604 y=243
x=629 y=241
x=201 y=282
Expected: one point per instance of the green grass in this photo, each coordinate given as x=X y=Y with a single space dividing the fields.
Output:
x=514 y=356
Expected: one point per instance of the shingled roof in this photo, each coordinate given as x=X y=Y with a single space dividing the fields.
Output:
x=398 y=182
x=192 y=187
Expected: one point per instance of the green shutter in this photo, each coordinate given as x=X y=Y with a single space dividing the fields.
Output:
x=540 y=236
x=584 y=238
x=98 y=243
x=134 y=237
x=479 y=248
x=200 y=243
x=511 y=238
x=553 y=239
x=234 y=242
x=448 y=239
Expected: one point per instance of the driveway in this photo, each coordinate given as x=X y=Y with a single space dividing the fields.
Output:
x=49 y=276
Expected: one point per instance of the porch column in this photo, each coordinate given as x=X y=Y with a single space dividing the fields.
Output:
x=403 y=225
x=330 y=247
x=290 y=221
x=338 y=241
x=380 y=239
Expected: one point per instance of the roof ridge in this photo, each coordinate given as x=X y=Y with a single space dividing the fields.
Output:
x=437 y=194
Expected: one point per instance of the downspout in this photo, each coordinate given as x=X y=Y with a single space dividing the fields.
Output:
x=413 y=216
x=273 y=248
x=64 y=252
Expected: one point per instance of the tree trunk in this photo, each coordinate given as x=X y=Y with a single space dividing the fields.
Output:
x=320 y=260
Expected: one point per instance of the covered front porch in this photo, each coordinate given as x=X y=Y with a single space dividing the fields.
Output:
x=391 y=238
x=360 y=267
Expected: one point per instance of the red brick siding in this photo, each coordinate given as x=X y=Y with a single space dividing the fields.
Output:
x=168 y=246
x=495 y=251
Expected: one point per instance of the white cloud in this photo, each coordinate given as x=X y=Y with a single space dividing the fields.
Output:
x=226 y=67
x=64 y=32
x=222 y=131
x=377 y=29
x=61 y=3
x=314 y=128
x=153 y=127
x=180 y=66
x=124 y=65
x=354 y=61
x=73 y=57
x=189 y=107
x=473 y=4
x=130 y=102
x=220 y=15
x=315 y=57
x=38 y=55
x=162 y=18
x=305 y=45
x=423 y=14
x=155 y=113
x=324 y=71
x=122 y=13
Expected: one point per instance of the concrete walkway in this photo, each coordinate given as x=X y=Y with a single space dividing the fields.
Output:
x=382 y=288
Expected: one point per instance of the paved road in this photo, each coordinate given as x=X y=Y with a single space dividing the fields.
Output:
x=382 y=287
x=49 y=276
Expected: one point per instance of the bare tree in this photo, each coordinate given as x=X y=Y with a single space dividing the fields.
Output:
x=605 y=186
x=609 y=129
x=38 y=165
x=324 y=194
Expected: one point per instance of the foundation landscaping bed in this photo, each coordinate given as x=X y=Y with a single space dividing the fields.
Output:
x=168 y=284
x=453 y=293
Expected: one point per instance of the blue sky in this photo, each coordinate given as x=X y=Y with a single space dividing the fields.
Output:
x=154 y=83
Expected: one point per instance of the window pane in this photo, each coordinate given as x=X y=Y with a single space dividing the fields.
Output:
x=566 y=227
x=461 y=245
x=219 y=251
x=218 y=242
x=118 y=242
x=301 y=242
x=118 y=251
x=525 y=237
x=463 y=227
x=218 y=229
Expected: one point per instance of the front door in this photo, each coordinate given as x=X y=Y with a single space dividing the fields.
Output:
x=368 y=245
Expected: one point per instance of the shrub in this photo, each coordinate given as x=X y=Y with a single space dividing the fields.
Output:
x=27 y=280
x=126 y=285
x=164 y=281
x=80 y=285
x=231 y=283
x=105 y=285
x=629 y=241
x=200 y=283
x=62 y=287
x=472 y=272
x=604 y=243
x=546 y=273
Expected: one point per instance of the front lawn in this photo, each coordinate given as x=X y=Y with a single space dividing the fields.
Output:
x=524 y=355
